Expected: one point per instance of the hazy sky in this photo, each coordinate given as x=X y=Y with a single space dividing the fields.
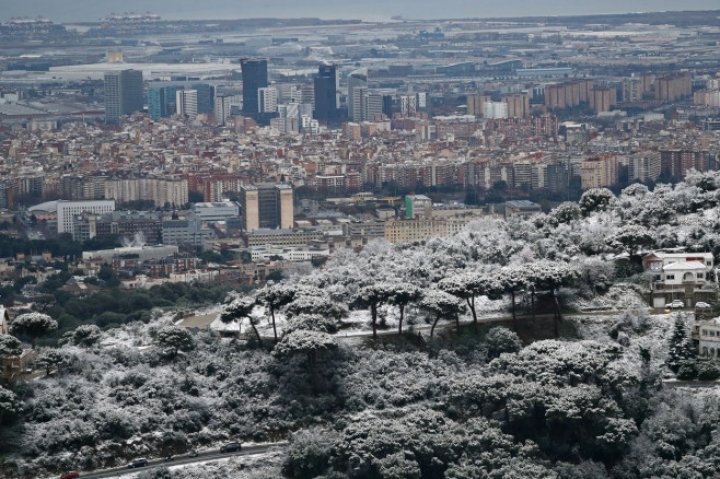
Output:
x=75 y=10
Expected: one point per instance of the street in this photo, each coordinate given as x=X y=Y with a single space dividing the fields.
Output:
x=181 y=460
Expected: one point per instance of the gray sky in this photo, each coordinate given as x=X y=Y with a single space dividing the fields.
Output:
x=84 y=10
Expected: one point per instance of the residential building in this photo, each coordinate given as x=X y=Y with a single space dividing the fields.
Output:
x=186 y=103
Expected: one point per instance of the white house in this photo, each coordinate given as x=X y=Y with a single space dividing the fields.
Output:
x=679 y=269
x=679 y=275
x=709 y=335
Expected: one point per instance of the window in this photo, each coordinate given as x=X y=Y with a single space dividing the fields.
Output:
x=705 y=352
x=701 y=275
x=669 y=277
x=704 y=332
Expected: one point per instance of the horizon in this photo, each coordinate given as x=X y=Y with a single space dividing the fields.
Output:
x=84 y=11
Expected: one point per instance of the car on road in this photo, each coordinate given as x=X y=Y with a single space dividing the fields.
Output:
x=231 y=447
x=677 y=304
x=702 y=305
x=139 y=462
x=70 y=475
x=193 y=453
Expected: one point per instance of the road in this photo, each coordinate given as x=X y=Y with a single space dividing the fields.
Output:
x=678 y=383
x=181 y=460
x=424 y=329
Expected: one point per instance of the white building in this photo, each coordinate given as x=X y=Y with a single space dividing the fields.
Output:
x=679 y=275
x=267 y=99
x=219 y=211
x=67 y=210
x=186 y=103
x=357 y=81
x=709 y=335
x=495 y=109
x=142 y=253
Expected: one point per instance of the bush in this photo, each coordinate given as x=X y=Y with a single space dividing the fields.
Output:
x=708 y=371
x=687 y=370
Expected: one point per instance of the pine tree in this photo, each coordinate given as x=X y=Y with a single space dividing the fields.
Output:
x=681 y=347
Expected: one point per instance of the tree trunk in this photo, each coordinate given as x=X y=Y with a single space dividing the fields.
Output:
x=457 y=323
x=402 y=316
x=373 y=313
x=532 y=304
x=514 y=316
x=432 y=329
x=257 y=333
x=272 y=315
x=557 y=306
x=471 y=305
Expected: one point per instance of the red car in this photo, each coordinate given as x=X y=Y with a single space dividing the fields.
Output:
x=70 y=475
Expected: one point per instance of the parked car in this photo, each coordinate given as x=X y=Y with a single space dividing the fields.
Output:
x=231 y=447
x=193 y=453
x=70 y=475
x=677 y=304
x=702 y=305
x=168 y=458
x=139 y=462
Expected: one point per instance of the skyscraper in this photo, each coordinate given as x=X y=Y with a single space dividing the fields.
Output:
x=123 y=94
x=255 y=76
x=326 y=94
x=356 y=81
x=187 y=103
x=267 y=100
x=161 y=102
x=205 y=97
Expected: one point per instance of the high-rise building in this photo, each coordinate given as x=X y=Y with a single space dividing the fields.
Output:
x=161 y=102
x=307 y=94
x=372 y=106
x=267 y=100
x=267 y=206
x=123 y=94
x=186 y=103
x=255 y=76
x=326 y=109
x=224 y=105
x=357 y=81
x=205 y=97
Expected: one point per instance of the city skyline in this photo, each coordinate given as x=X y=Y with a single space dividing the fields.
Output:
x=83 y=11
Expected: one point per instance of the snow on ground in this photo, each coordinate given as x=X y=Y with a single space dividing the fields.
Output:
x=620 y=297
x=636 y=328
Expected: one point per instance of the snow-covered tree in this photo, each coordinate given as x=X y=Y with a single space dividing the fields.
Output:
x=275 y=297
x=596 y=199
x=469 y=286
x=567 y=212
x=9 y=405
x=239 y=309
x=403 y=294
x=441 y=305
x=9 y=346
x=86 y=335
x=33 y=325
x=681 y=347
x=315 y=301
x=501 y=340
x=173 y=339
x=373 y=297
x=50 y=358
x=512 y=280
